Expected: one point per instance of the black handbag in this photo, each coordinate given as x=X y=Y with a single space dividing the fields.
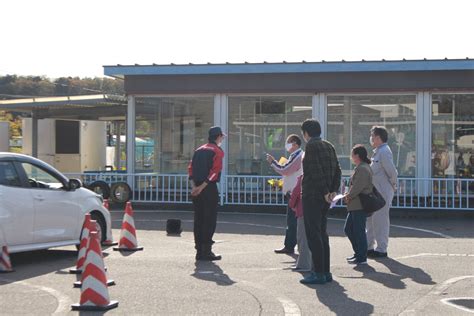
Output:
x=372 y=202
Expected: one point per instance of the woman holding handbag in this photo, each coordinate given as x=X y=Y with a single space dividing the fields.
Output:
x=360 y=183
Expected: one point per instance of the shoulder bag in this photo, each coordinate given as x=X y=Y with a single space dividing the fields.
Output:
x=372 y=202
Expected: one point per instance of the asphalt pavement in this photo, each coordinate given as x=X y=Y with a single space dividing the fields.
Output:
x=430 y=271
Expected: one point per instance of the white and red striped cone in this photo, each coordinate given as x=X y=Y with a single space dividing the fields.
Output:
x=94 y=292
x=93 y=230
x=109 y=242
x=128 y=237
x=87 y=227
x=5 y=263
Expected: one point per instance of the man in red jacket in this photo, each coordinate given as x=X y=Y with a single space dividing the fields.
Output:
x=204 y=172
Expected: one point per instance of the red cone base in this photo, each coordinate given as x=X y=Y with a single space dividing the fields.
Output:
x=128 y=249
x=78 y=284
x=79 y=307
x=109 y=243
x=76 y=271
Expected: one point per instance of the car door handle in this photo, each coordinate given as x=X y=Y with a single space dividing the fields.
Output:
x=39 y=198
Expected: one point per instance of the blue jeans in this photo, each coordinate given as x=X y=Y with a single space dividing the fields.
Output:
x=291 y=224
x=355 y=230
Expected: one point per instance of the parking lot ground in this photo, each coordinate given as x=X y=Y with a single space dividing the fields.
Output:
x=430 y=265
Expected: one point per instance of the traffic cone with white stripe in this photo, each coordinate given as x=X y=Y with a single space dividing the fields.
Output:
x=93 y=229
x=87 y=227
x=94 y=292
x=5 y=263
x=128 y=237
x=109 y=242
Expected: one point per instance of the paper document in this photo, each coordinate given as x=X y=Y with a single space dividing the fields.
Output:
x=282 y=160
x=336 y=199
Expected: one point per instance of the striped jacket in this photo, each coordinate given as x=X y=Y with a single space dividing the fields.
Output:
x=290 y=170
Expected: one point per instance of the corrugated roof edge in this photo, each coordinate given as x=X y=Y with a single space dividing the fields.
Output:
x=120 y=71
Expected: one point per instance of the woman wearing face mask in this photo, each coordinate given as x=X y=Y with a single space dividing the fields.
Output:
x=361 y=182
x=290 y=171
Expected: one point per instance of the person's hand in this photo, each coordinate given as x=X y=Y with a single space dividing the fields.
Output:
x=347 y=199
x=329 y=197
x=270 y=158
x=197 y=190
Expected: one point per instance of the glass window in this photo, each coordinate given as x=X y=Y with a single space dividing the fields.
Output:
x=168 y=129
x=39 y=178
x=8 y=174
x=350 y=119
x=453 y=135
x=259 y=125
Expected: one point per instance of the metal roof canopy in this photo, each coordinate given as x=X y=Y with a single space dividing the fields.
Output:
x=120 y=71
x=99 y=107
x=297 y=77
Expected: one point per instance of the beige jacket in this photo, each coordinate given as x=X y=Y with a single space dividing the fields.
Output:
x=361 y=182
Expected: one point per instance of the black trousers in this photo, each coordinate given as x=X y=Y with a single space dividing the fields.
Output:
x=315 y=211
x=205 y=215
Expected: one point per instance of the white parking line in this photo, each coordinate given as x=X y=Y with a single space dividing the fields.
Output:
x=281 y=227
x=290 y=308
x=436 y=255
x=64 y=301
x=447 y=302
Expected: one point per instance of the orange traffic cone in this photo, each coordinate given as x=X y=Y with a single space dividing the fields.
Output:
x=5 y=263
x=109 y=242
x=93 y=229
x=128 y=237
x=94 y=292
x=87 y=227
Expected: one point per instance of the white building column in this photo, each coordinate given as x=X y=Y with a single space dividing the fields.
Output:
x=130 y=121
x=319 y=104
x=423 y=140
x=34 y=134
x=5 y=136
x=220 y=119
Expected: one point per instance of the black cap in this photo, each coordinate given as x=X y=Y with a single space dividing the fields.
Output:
x=215 y=131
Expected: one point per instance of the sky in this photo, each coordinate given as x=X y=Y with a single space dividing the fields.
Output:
x=76 y=38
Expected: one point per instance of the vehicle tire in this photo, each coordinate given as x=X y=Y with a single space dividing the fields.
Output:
x=120 y=192
x=100 y=187
x=101 y=226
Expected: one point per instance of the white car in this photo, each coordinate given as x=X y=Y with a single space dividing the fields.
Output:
x=40 y=208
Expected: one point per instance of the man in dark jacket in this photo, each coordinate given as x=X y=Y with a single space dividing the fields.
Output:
x=321 y=181
x=204 y=172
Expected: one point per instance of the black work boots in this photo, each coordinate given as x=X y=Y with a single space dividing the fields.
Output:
x=204 y=253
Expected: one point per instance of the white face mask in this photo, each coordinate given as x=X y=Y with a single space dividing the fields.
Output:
x=371 y=140
x=288 y=146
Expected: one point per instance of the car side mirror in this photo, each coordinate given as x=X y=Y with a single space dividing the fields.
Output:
x=74 y=184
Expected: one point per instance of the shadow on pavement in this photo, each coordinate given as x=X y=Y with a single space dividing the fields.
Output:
x=210 y=271
x=334 y=296
x=389 y=280
x=418 y=275
x=31 y=264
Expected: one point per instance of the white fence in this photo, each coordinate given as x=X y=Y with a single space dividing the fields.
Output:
x=412 y=193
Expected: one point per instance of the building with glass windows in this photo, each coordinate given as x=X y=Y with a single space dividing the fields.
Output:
x=426 y=105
